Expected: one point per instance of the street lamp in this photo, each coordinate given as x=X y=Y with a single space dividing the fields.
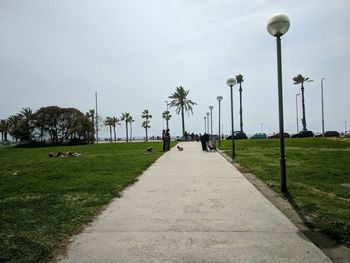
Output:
x=277 y=26
x=322 y=106
x=211 y=119
x=231 y=81
x=219 y=98
x=296 y=108
x=208 y=122
x=205 y=124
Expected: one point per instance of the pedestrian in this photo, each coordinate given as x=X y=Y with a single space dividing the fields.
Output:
x=204 y=139
x=164 y=139
x=167 y=135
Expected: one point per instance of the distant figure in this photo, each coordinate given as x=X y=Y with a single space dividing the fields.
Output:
x=204 y=141
x=164 y=139
x=167 y=134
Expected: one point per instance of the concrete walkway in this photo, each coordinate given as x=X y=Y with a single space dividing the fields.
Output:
x=192 y=206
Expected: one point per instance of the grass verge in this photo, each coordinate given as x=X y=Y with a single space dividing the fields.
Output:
x=44 y=200
x=317 y=170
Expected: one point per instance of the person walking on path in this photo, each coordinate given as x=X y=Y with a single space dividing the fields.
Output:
x=204 y=141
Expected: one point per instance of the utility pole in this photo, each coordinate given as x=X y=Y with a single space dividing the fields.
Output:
x=96 y=118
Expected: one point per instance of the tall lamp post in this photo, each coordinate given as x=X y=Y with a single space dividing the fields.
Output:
x=277 y=26
x=322 y=106
x=208 y=122
x=211 y=119
x=219 y=98
x=231 y=82
x=296 y=109
x=205 y=124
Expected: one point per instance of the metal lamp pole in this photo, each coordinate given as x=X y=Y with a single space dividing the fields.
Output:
x=277 y=26
x=296 y=108
x=231 y=82
x=219 y=98
x=207 y=122
x=211 y=120
x=322 y=106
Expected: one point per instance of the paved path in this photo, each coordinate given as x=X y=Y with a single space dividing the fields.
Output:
x=192 y=206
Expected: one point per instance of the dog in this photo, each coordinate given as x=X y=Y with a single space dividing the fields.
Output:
x=149 y=149
x=180 y=148
x=212 y=148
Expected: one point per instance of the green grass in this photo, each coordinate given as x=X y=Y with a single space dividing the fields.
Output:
x=316 y=170
x=45 y=200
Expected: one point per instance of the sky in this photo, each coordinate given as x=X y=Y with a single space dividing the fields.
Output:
x=135 y=53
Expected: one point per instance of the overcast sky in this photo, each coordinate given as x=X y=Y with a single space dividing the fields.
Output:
x=135 y=53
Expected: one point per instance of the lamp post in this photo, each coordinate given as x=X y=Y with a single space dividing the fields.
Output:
x=322 y=106
x=208 y=122
x=211 y=119
x=277 y=26
x=205 y=124
x=219 y=98
x=296 y=109
x=231 y=81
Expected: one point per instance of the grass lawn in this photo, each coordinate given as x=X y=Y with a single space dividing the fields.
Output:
x=316 y=170
x=44 y=200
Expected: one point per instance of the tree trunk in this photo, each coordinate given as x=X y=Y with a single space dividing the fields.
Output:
x=115 y=134
x=110 y=133
x=303 y=107
x=146 y=133
x=183 y=120
x=126 y=127
x=240 y=106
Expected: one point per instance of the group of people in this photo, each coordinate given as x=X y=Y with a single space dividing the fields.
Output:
x=65 y=154
x=166 y=140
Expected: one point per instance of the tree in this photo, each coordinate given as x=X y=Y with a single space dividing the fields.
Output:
x=14 y=126
x=4 y=128
x=145 y=115
x=109 y=122
x=125 y=117
x=131 y=120
x=239 y=79
x=167 y=116
x=300 y=79
x=115 y=122
x=91 y=114
x=181 y=103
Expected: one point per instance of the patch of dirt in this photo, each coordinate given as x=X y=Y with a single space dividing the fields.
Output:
x=337 y=253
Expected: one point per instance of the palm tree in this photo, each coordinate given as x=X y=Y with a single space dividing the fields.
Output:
x=14 y=123
x=4 y=127
x=145 y=115
x=125 y=117
x=131 y=120
x=181 y=103
x=167 y=116
x=300 y=79
x=109 y=122
x=239 y=79
x=115 y=122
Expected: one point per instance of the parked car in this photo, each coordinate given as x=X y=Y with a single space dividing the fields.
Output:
x=260 y=135
x=329 y=134
x=303 y=134
x=277 y=135
x=237 y=136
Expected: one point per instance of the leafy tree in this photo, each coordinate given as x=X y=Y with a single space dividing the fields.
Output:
x=167 y=116
x=115 y=122
x=14 y=126
x=239 y=79
x=4 y=128
x=125 y=117
x=181 y=103
x=131 y=120
x=300 y=79
x=109 y=122
x=145 y=124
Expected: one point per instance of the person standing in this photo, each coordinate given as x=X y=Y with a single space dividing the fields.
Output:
x=167 y=135
x=164 y=139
